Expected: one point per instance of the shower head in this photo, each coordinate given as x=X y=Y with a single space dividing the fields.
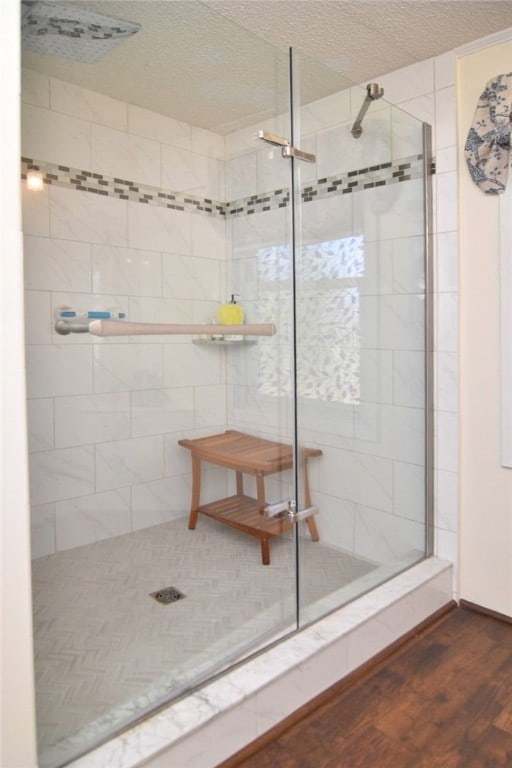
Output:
x=373 y=92
x=70 y=32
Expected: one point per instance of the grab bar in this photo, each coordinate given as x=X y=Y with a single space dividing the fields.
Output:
x=125 y=328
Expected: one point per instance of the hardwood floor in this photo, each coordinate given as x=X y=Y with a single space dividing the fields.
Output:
x=444 y=700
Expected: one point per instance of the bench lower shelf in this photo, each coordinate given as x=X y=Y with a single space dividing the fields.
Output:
x=242 y=513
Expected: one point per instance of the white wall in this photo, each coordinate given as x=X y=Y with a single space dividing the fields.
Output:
x=486 y=486
x=17 y=747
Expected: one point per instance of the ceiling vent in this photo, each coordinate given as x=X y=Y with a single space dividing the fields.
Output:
x=70 y=32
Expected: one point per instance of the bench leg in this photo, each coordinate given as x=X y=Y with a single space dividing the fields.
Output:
x=265 y=552
x=310 y=521
x=239 y=484
x=196 y=488
x=307 y=499
x=260 y=492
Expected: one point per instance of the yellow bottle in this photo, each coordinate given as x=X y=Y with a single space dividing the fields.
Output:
x=230 y=314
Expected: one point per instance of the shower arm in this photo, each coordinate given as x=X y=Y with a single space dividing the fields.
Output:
x=125 y=328
x=373 y=92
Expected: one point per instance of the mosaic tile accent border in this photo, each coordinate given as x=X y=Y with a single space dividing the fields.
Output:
x=381 y=175
x=373 y=176
x=123 y=189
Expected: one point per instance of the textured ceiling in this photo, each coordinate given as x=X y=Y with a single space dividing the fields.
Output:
x=219 y=64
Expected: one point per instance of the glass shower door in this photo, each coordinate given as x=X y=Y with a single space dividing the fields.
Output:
x=362 y=337
x=136 y=601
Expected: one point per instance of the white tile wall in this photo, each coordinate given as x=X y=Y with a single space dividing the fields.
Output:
x=92 y=518
x=142 y=122
x=105 y=415
x=70 y=99
x=158 y=411
x=88 y=218
x=87 y=419
x=35 y=88
x=128 y=462
x=55 y=138
x=184 y=171
x=40 y=424
x=125 y=156
x=58 y=369
x=121 y=367
x=57 y=265
x=36 y=212
x=38 y=325
x=169 y=265
x=126 y=270
x=159 y=229
x=42 y=533
x=159 y=501
x=186 y=276
x=58 y=475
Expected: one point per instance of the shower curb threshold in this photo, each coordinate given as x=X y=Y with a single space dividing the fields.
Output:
x=217 y=720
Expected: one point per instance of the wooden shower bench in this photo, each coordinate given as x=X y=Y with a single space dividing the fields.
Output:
x=246 y=454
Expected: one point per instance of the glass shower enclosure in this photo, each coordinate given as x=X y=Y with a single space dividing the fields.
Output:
x=200 y=491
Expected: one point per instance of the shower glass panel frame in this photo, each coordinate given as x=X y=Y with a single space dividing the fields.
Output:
x=290 y=269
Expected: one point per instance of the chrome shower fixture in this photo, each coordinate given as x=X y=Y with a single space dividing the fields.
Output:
x=374 y=92
x=71 y=32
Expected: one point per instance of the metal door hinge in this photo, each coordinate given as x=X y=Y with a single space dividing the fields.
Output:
x=287 y=149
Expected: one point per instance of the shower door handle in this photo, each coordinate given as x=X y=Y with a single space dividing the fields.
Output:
x=289 y=510
x=302 y=514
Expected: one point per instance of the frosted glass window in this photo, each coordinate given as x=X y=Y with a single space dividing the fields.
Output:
x=328 y=314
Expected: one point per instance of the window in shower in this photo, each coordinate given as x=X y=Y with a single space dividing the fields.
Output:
x=329 y=311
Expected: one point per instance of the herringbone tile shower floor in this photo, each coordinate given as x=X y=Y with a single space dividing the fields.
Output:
x=106 y=652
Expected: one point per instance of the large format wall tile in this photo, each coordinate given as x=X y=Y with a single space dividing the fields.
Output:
x=89 y=419
x=58 y=369
x=57 y=265
x=92 y=518
x=357 y=477
x=158 y=411
x=35 y=88
x=125 y=156
x=40 y=424
x=188 y=365
x=42 y=530
x=143 y=122
x=55 y=138
x=186 y=277
x=88 y=218
x=184 y=171
x=160 y=500
x=35 y=212
x=126 y=270
x=159 y=229
x=125 y=367
x=70 y=99
x=127 y=462
x=386 y=538
x=58 y=475
x=38 y=317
